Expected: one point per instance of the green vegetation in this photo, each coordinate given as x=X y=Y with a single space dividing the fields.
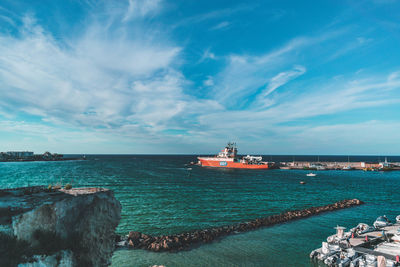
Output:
x=68 y=186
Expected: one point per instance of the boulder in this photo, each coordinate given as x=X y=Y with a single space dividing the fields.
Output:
x=76 y=225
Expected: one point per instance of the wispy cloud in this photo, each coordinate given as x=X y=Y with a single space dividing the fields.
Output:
x=207 y=55
x=221 y=25
x=97 y=81
x=351 y=46
x=282 y=78
x=213 y=15
x=141 y=8
x=244 y=75
x=209 y=81
x=320 y=99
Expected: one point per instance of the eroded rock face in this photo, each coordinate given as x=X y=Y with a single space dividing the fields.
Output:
x=78 y=223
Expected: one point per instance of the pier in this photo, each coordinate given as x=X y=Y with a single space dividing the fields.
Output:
x=328 y=165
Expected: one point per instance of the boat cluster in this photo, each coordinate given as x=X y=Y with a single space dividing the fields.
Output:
x=184 y=241
x=377 y=245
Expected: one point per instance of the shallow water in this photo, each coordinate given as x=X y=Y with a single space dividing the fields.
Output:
x=159 y=195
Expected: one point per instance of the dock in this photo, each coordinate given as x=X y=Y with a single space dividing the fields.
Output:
x=367 y=251
x=328 y=165
x=365 y=248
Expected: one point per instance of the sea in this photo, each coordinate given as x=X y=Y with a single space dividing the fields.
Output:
x=161 y=194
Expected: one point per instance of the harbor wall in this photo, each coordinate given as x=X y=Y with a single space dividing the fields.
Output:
x=338 y=165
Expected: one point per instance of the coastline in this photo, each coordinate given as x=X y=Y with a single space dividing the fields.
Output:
x=33 y=160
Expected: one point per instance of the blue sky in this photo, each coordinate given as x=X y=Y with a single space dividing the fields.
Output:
x=158 y=76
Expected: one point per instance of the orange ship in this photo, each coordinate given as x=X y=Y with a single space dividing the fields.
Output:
x=228 y=158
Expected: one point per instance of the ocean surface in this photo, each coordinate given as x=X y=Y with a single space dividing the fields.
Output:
x=160 y=195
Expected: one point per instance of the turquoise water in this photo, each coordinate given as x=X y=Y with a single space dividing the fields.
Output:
x=159 y=195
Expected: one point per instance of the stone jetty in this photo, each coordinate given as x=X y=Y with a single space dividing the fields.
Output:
x=185 y=241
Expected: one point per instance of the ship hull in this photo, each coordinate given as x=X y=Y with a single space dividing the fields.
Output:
x=229 y=163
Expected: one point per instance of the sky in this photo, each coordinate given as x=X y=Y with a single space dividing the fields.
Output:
x=186 y=77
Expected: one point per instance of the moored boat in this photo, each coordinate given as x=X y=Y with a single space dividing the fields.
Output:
x=382 y=221
x=228 y=158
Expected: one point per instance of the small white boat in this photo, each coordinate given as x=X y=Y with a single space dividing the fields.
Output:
x=362 y=228
x=311 y=174
x=381 y=221
x=327 y=250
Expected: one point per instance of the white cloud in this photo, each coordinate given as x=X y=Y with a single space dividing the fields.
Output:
x=209 y=81
x=244 y=75
x=95 y=81
x=221 y=25
x=282 y=78
x=102 y=83
x=319 y=99
x=141 y=8
x=213 y=15
x=207 y=55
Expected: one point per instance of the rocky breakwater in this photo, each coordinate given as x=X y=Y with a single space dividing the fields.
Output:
x=57 y=227
x=186 y=240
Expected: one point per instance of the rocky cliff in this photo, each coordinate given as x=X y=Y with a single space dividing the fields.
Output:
x=58 y=227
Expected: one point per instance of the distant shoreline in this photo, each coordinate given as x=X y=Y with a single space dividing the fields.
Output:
x=24 y=156
x=31 y=160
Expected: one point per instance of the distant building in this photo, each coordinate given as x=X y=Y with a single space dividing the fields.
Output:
x=20 y=154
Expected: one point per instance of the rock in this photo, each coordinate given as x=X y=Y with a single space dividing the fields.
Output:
x=144 y=236
x=62 y=258
x=134 y=235
x=166 y=244
x=79 y=221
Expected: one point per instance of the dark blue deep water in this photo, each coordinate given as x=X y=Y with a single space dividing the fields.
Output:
x=160 y=195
